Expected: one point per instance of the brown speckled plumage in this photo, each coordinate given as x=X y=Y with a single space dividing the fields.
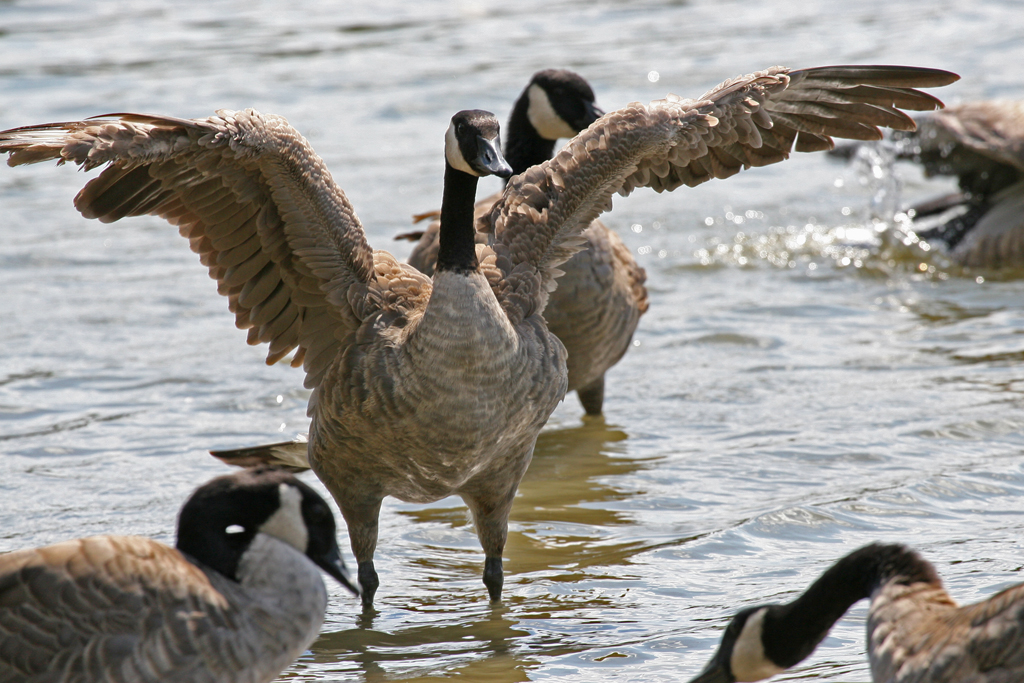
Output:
x=426 y=388
x=81 y=608
x=918 y=634
x=594 y=310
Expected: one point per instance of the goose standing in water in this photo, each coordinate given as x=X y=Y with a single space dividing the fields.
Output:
x=595 y=309
x=238 y=600
x=916 y=632
x=424 y=388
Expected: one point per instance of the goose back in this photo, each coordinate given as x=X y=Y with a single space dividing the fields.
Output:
x=132 y=610
x=918 y=634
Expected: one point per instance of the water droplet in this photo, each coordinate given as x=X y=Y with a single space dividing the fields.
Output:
x=280 y=398
x=653 y=76
x=636 y=227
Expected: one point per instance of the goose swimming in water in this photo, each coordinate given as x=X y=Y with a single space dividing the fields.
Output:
x=238 y=600
x=982 y=145
x=595 y=309
x=424 y=388
x=916 y=632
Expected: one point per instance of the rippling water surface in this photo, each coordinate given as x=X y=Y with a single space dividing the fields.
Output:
x=803 y=383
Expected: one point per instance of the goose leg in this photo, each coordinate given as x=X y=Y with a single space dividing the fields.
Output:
x=361 y=517
x=490 y=505
x=592 y=396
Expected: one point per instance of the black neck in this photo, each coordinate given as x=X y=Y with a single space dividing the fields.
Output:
x=792 y=631
x=457 y=239
x=524 y=147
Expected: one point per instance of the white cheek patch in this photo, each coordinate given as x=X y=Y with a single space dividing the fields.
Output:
x=454 y=155
x=543 y=118
x=748 y=661
x=287 y=523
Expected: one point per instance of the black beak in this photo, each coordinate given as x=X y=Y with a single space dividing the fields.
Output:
x=592 y=113
x=489 y=160
x=332 y=563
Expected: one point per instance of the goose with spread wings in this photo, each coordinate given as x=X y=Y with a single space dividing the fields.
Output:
x=424 y=388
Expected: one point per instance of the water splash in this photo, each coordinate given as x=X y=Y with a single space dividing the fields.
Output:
x=873 y=164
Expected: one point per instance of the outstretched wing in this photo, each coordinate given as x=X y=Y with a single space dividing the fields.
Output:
x=753 y=120
x=252 y=197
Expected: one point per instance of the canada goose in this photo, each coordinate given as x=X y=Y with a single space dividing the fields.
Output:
x=916 y=632
x=425 y=388
x=982 y=144
x=238 y=600
x=595 y=309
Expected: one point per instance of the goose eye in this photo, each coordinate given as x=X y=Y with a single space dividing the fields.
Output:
x=460 y=128
x=234 y=529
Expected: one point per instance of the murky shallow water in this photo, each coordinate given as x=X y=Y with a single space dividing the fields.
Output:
x=781 y=407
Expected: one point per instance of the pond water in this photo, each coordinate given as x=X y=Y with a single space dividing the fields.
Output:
x=804 y=383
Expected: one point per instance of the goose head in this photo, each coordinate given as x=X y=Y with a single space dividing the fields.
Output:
x=473 y=144
x=219 y=521
x=560 y=103
x=741 y=655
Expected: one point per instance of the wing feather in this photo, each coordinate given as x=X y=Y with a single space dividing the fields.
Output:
x=254 y=200
x=752 y=120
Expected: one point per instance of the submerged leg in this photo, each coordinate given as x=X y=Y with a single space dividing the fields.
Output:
x=494 y=577
x=592 y=396
x=361 y=518
x=368 y=582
